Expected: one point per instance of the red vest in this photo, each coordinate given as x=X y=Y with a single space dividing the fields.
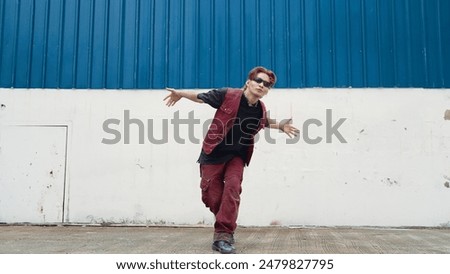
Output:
x=224 y=120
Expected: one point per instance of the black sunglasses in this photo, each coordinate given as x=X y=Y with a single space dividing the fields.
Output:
x=259 y=81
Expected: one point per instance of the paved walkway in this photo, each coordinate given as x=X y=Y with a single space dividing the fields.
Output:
x=197 y=240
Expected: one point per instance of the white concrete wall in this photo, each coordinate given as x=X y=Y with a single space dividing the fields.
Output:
x=394 y=169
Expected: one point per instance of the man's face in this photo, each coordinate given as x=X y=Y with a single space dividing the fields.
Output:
x=260 y=85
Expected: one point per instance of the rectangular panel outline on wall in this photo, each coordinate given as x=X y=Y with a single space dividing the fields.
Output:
x=65 y=196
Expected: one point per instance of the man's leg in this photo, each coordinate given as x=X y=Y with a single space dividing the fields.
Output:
x=227 y=215
x=212 y=186
x=212 y=191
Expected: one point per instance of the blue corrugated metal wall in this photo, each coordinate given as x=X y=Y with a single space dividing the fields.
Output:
x=203 y=43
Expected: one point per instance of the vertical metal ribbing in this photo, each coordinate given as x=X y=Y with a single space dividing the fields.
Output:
x=136 y=43
x=166 y=53
x=441 y=65
x=151 y=41
x=30 y=46
x=415 y=48
x=227 y=46
x=271 y=35
x=121 y=39
x=45 y=48
x=211 y=56
x=197 y=43
x=303 y=43
x=14 y=51
x=183 y=45
x=363 y=43
x=424 y=42
x=61 y=43
x=76 y=44
x=394 y=43
x=106 y=44
x=91 y=44
x=318 y=40
x=333 y=45
x=349 y=41
x=288 y=43
x=258 y=29
x=408 y=35
x=167 y=35
x=379 y=46
x=242 y=37
x=2 y=25
x=242 y=41
x=186 y=21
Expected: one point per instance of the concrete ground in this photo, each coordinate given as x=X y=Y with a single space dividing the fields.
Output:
x=76 y=239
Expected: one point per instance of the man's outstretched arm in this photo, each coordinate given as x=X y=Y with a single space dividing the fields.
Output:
x=176 y=95
x=284 y=126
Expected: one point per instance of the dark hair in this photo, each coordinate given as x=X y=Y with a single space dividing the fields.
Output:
x=252 y=74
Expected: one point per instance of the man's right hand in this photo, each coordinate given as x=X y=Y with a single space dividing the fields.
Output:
x=172 y=98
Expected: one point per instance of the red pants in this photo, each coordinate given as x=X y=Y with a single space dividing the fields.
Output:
x=221 y=189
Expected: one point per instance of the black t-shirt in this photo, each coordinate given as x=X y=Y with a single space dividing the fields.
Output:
x=238 y=139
